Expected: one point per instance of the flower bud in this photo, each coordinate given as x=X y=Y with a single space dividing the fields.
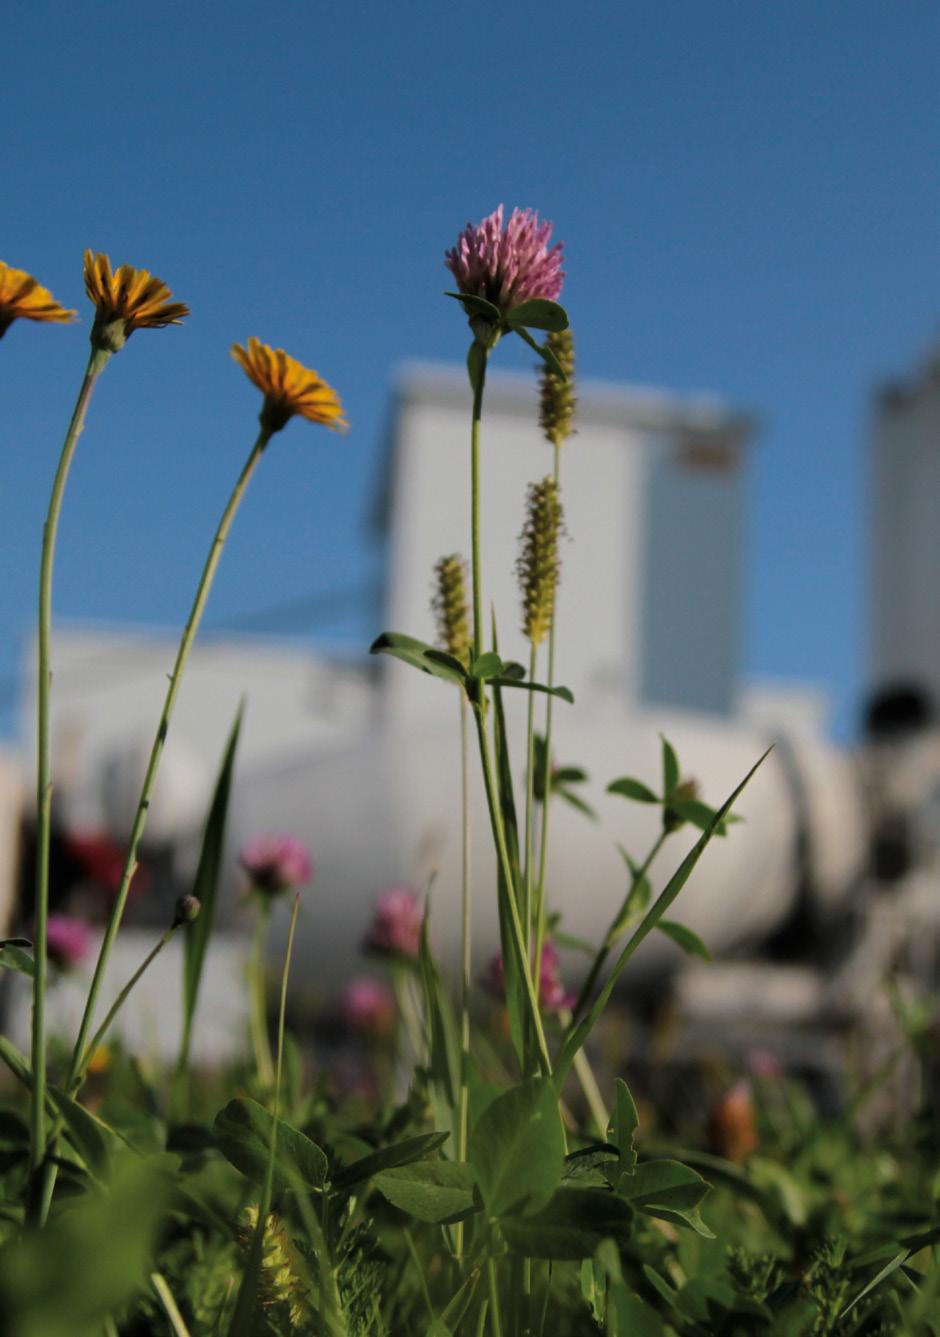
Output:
x=672 y=820
x=187 y=910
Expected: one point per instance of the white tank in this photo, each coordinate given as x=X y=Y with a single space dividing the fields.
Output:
x=387 y=811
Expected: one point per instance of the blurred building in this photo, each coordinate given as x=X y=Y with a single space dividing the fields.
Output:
x=360 y=756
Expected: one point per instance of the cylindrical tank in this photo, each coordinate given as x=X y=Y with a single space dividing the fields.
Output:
x=387 y=811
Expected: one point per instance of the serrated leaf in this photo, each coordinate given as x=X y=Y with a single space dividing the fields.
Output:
x=684 y=937
x=242 y=1133
x=538 y=314
x=432 y=1191
x=669 y=1190
x=387 y=1158
x=517 y=1149
x=571 y=1225
x=629 y=787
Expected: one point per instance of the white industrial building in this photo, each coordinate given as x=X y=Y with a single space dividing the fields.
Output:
x=360 y=757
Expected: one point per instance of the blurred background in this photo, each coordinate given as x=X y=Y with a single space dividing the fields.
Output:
x=748 y=201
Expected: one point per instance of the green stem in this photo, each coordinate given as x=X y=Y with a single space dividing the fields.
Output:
x=258 y=1021
x=492 y=796
x=499 y=836
x=529 y=811
x=604 y=950
x=37 y=1146
x=143 y=805
x=463 y=1107
x=496 y=1323
x=475 y=508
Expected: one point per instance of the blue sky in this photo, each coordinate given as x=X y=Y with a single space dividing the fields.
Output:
x=747 y=194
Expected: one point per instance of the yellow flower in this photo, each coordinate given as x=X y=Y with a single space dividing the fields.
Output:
x=127 y=299
x=21 y=295
x=289 y=387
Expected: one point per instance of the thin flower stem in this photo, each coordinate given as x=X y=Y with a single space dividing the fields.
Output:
x=499 y=835
x=492 y=796
x=259 y=1007
x=597 y=965
x=101 y=1032
x=529 y=816
x=143 y=805
x=37 y=1147
x=475 y=508
x=463 y=1107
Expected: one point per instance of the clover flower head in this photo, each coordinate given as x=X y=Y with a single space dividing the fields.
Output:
x=507 y=267
x=552 y=993
x=276 y=863
x=396 y=925
x=369 y=1006
x=288 y=387
x=126 y=299
x=68 y=941
x=22 y=297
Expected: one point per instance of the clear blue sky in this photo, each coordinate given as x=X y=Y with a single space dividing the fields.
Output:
x=748 y=194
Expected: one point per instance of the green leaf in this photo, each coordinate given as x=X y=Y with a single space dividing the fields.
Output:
x=538 y=314
x=571 y=1225
x=592 y=1162
x=243 y=1134
x=206 y=884
x=637 y=898
x=486 y=665
x=668 y=1190
x=13 y=957
x=563 y=693
x=670 y=767
x=476 y=306
x=512 y=670
x=700 y=814
x=576 y=802
x=623 y=1126
x=442 y=660
x=627 y=787
x=401 y=1153
x=576 y=1037
x=432 y=1191
x=568 y=775
x=419 y=655
x=684 y=937
x=518 y=1149
x=634 y=1317
x=544 y=352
